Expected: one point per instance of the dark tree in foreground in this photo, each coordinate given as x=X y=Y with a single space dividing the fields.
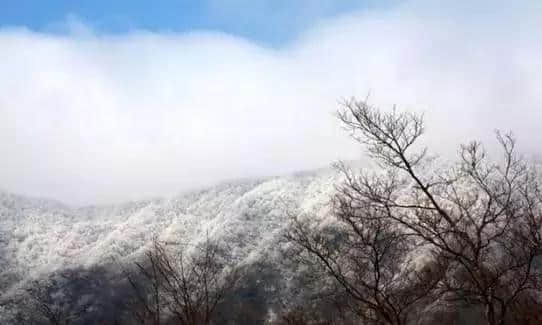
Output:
x=181 y=287
x=369 y=260
x=477 y=226
x=61 y=299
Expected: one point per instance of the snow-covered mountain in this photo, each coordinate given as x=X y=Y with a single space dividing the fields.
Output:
x=39 y=236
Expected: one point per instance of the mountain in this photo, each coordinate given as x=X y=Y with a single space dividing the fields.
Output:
x=40 y=236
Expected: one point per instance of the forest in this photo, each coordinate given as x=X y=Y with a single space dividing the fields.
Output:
x=415 y=240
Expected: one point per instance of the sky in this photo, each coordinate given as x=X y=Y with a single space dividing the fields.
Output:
x=268 y=22
x=104 y=102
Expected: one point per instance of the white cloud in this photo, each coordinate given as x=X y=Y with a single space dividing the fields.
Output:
x=96 y=118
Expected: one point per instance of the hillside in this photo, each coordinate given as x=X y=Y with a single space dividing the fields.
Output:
x=39 y=236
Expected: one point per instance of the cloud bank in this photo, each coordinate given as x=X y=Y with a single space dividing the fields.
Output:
x=94 y=118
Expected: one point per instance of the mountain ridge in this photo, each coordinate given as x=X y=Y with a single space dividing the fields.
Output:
x=40 y=236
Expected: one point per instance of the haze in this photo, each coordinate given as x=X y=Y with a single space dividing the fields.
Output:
x=88 y=116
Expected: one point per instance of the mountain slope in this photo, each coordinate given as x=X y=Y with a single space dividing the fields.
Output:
x=39 y=236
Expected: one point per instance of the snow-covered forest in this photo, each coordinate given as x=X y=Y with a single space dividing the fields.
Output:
x=273 y=162
x=410 y=240
x=42 y=237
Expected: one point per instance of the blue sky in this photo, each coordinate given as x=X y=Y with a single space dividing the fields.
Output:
x=270 y=22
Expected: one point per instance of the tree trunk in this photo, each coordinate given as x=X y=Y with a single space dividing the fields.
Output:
x=490 y=314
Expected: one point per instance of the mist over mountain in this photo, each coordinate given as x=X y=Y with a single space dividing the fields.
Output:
x=110 y=108
x=40 y=236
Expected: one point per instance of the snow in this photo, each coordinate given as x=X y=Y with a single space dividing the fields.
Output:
x=38 y=236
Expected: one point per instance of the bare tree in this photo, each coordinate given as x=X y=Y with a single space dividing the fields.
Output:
x=369 y=260
x=480 y=221
x=58 y=300
x=181 y=288
x=302 y=317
